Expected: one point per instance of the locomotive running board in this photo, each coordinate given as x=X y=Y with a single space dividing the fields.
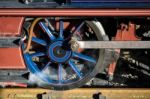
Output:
x=114 y=44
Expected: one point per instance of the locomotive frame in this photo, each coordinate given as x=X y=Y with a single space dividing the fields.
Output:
x=14 y=18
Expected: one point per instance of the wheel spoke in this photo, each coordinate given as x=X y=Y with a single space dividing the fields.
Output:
x=60 y=73
x=61 y=29
x=49 y=24
x=39 y=41
x=84 y=57
x=47 y=30
x=79 y=27
x=73 y=66
x=46 y=66
x=38 y=54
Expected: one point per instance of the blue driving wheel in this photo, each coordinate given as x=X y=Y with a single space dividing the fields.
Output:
x=52 y=60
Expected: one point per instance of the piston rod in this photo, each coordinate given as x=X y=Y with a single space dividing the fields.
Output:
x=114 y=44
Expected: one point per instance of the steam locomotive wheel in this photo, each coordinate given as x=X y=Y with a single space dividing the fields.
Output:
x=51 y=58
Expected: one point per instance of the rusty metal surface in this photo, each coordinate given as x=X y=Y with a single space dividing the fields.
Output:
x=11 y=58
x=127 y=33
x=75 y=12
x=10 y=26
x=109 y=93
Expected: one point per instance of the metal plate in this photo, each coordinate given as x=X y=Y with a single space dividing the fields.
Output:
x=10 y=26
x=11 y=58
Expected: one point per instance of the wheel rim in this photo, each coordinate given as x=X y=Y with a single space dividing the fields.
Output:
x=69 y=66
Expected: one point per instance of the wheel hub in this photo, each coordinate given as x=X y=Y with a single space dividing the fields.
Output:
x=59 y=52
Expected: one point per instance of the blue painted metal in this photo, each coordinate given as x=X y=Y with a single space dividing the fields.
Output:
x=109 y=1
x=60 y=73
x=53 y=48
x=79 y=27
x=109 y=4
x=35 y=70
x=74 y=67
x=46 y=29
x=46 y=66
x=37 y=54
x=84 y=57
x=58 y=59
x=79 y=4
x=39 y=41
